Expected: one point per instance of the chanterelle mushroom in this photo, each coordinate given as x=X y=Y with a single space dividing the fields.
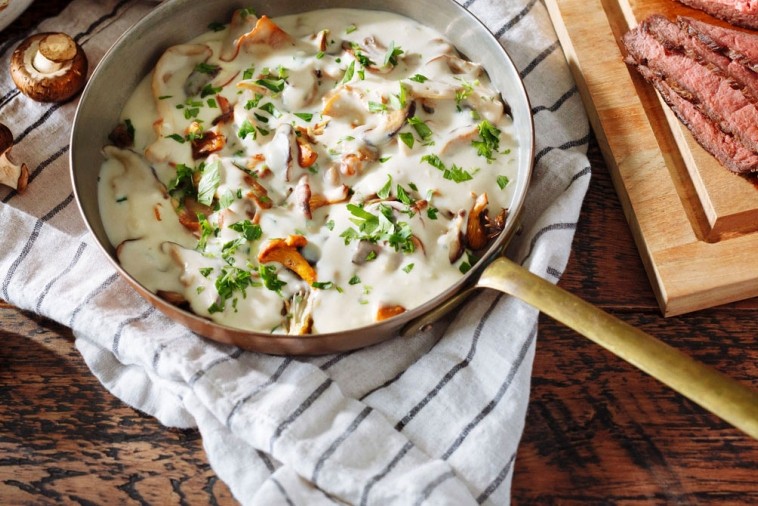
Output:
x=49 y=67
x=15 y=176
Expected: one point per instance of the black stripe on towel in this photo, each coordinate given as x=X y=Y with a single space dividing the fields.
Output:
x=299 y=411
x=399 y=426
x=498 y=397
x=429 y=489
x=71 y=265
x=337 y=442
x=384 y=472
x=30 y=242
x=497 y=481
x=270 y=381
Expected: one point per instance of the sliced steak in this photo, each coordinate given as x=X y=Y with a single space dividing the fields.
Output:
x=674 y=37
x=737 y=12
x=710 y=93
x=731 y=153
x=738 y=46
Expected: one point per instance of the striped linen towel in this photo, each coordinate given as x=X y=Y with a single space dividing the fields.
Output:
x=435 y=419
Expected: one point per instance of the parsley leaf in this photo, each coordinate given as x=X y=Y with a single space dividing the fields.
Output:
x=209 y=182
x=407 y=139
x=453 y=173
x=393 y=52
x=249 y=230
x=419 y=78
x=502 y=182
x=349 y=73
x=270 y=278
x=489 y=142
x=384 y=192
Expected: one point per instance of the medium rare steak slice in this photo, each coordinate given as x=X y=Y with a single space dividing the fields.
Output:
x=708 y=91
x=730 y=153
x=676 y=38
x=738 y=46
x=737 y=12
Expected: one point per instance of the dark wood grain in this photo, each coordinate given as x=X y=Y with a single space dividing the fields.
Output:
x=597 y=432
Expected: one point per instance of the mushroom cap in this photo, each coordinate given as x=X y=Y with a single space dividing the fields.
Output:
x=51 y=86
x=6 y=138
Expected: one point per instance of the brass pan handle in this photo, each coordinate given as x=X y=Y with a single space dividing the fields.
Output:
x=719 y=394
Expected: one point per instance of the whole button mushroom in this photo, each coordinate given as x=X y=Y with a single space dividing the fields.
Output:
x=11 y=174
x=49 y=67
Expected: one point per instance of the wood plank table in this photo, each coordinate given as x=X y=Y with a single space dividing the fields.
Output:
x=597 y=430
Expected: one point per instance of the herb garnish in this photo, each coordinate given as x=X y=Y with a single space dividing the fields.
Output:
x=489 y=142
x=454 y=173
x=209 y=182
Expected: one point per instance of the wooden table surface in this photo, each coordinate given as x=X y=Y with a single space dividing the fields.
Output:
x=597 y=430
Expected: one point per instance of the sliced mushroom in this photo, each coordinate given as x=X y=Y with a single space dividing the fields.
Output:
x=353 y=163
x=175 y=298
x=476 y=237
x=389 y=123
x=455 y=237
x=243 y=21
x=227 y=111
x=339 y=194
x=364 y=251
x=265 y=33
x=494 y=226
x=306 y=155
x=462 y=135
x=206 y=142
x=282 y=150
x=11 y=174
x=388 y=311
x=302 y=196
x=285 y=252
x=299 y=314
x=49 y=67
x=457 y=65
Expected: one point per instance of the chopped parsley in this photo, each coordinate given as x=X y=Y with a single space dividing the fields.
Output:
x=231 y=280
x=206 y=271
x=246 y=129
x=502 y=182
x=419 y=78
x=182 y=185
x=407 y=139
x=408 y=268
x=393 y=52
x=305 y=116
x=422 y=129
x=384 y=192
x=349 y=73
x=379 y=227
x=270 y=278
x=248 y=73
x=376 y=106
x=354 y=280
x=489 y=141
x=351 y=29
x=275 y=85
x=249 y=230
x=209 y=182
x=453 y=173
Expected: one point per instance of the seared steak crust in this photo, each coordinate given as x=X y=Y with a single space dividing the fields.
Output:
x=739 y=46
x=712 y=94
x=737 y=12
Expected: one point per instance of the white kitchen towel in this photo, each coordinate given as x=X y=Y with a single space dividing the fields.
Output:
x=432 y=419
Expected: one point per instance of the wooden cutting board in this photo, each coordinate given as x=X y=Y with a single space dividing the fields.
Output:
x=694 y=222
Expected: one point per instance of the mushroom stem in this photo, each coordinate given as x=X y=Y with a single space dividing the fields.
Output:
x=15 y=176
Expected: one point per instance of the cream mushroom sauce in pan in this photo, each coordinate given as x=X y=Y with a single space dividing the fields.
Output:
x=308 y=174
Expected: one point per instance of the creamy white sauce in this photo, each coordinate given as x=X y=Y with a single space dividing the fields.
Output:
x=360 y=131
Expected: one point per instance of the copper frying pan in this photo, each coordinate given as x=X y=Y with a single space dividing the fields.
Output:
x=176 y=21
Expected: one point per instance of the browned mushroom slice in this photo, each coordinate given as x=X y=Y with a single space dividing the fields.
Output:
x=258 y=193
x=494 y=226
x=11 y=174
x=385 y=312
x=49 y=67
x=353 y=163
x=188 y=210
x=388 y=124
x=306 y=155
x=302 y=195
x=266 y=33
x=227 y=111
x=321 y=39
x=169 y=76
x=122 y=136
x=243 y=21
x=456 y=65
x=455 y=237
x=476 y=238
x=285 y=252
x=299 y=314
x=336 y=196
x=460 y=136
x=206 y=143
x=175 y=298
